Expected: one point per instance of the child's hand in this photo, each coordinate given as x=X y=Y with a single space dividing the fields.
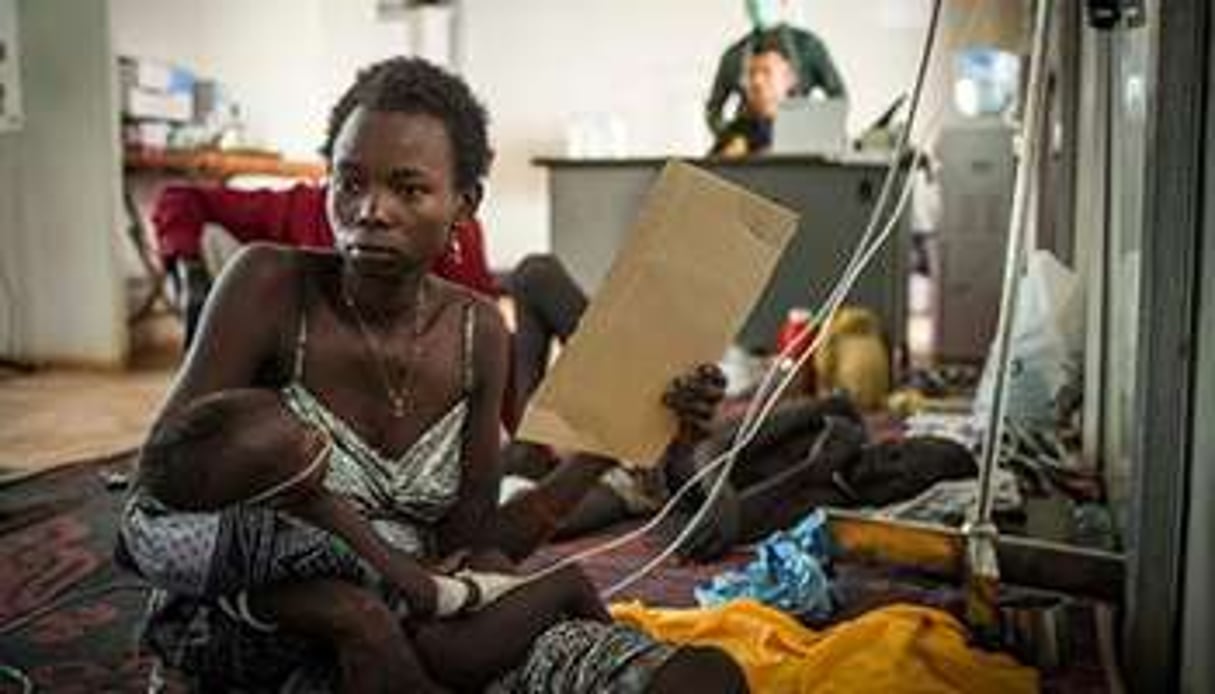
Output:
x=694 y=397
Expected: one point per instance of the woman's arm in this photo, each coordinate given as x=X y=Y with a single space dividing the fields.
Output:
x=240 y=331
x=252 y=319
x=252 y=307
x=470 y=523
x=331 y=512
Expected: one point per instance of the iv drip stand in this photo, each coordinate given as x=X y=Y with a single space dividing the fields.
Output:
x=982 y=574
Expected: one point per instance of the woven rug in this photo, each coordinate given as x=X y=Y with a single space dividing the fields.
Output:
x=56 y=533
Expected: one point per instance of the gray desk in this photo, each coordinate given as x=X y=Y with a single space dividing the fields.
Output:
x=594 y=201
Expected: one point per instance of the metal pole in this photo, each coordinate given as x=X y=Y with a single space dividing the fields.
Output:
x=1014 y=257
x=982 y=563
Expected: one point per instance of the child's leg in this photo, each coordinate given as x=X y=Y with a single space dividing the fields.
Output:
x=548 y=304
x=468 y=652
x=372 y=651
x=294 y=578
x=699 y=669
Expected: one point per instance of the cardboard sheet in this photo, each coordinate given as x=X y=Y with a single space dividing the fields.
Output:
x=690 y=271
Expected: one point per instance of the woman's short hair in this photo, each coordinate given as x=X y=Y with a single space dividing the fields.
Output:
x=413 y=85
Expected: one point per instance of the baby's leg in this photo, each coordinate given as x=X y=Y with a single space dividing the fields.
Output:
x=371 y=649
x=468 y=652
x=700 y=669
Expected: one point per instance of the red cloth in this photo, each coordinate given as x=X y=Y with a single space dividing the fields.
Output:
x=293 y=217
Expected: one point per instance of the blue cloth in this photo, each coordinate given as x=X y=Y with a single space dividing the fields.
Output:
x=789 y=572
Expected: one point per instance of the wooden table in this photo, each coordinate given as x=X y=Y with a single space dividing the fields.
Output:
x=217 y=164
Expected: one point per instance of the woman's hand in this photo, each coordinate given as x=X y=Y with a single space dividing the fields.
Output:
x=694 y=397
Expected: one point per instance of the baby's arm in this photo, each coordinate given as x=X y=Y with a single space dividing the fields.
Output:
x=243 y=447
x=418 y=586
x=504 y=629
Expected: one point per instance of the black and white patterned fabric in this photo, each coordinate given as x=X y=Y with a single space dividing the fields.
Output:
x=587 y=657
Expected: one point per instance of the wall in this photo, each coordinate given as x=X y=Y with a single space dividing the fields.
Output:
x=1198 y=621
x=539 y=64
x=59 y=192
x=284 y=61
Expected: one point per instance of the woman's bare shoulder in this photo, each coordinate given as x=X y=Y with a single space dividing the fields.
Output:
x=271 y=273
x=250 y=316
x=485 y=309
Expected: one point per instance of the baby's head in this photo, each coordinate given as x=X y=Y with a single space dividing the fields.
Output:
x=222 y=445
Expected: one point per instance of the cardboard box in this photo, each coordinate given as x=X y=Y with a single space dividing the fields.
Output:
x=695 y=262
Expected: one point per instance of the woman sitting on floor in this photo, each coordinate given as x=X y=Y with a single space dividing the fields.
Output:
x=403 y=373
x=215 y=471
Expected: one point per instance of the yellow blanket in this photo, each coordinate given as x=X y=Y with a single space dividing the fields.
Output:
x=901 y=648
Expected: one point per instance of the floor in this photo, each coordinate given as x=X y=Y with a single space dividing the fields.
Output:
x=68 y=613
x=55 y=417
x=49 y=419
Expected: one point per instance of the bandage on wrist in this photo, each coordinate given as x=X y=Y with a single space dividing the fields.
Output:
x=453 y=596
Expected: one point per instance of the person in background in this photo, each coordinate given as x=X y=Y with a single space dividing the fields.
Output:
x=809 y=58
x=770 y=80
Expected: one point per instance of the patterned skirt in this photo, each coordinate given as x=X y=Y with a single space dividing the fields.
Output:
x=204 y=565
x=585 y=657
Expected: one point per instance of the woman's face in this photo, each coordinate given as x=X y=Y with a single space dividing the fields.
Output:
x=392 y=197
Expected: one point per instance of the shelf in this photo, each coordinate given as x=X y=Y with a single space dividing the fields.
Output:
x=215 y=164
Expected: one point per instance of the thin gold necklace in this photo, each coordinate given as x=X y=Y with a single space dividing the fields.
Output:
x=399 y=396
